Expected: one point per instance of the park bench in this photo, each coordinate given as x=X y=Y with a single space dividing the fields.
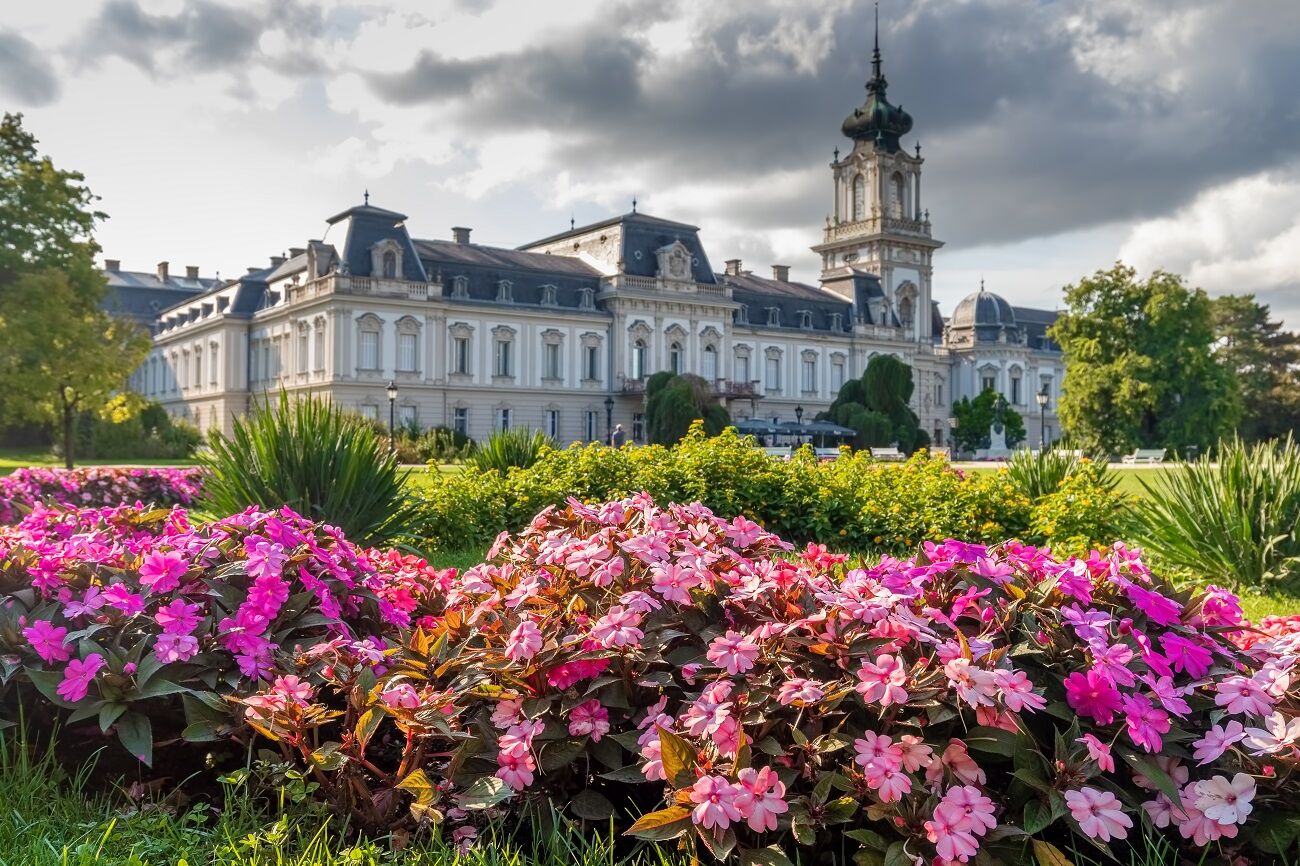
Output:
x=827 y=453
x=1065 y=452
x=1144 y=455
x=777 y=450
x=886 y=454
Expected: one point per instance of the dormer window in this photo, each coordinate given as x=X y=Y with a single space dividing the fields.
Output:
x=837 y=321
x=548 y=296
x=505 y=292
x=805 y=319
x=586 y=299
x=390 y=265
x=774 y=317
x=460 y=287
x=742 y=314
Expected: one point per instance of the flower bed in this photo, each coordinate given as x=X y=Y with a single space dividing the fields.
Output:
x=95 y=487
x=624 y=659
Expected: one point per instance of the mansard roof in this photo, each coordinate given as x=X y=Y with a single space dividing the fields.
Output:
x=643 y=236
x=791 y=299
x=1035 y=322
x=450 y=252
x=484 y=268
x=142 y=294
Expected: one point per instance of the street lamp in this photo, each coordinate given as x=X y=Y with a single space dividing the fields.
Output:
x=1042 y=398
x=798 y=419
x=392 y=416
x=609 y=420
x=952 y=433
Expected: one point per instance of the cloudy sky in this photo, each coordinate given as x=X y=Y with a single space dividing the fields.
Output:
x=1059 y=136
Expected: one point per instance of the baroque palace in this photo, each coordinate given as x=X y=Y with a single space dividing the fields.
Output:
x=561 y=333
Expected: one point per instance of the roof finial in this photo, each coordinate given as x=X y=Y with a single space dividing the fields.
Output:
x=837 y=154
x=875 y=53
x=570 y=220
x=918 y=146
x=634 y=204
x=367 y=196
x=981 y=282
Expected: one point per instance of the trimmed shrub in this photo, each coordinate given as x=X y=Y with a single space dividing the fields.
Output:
x=443 y=445
x=1234 y=520
x=313 y=458
x=853 y=503
x=95 y=487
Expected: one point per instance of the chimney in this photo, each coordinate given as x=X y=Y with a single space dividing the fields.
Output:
x=294 y=252
x=162 y=272
x=460 y=234
x=781 y=273
x=191 y=272
x=112 y=265
x=276 y=261
x=253 y=270
x=733 y=267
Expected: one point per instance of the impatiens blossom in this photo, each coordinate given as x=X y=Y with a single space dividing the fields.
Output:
x=161 y=572
x=524 y=641
x=1243 y=696
x=1092 y=695
x=47 y=640
x=760 y=798
x=1278 y=735
x=800 y=690
x=715 y=800
x=515 y=766
x=1226 y=801
x=882 y=681
x=1099 y=752
x=1099 y=814
x=589 y=719
x=1217 y=740
x=618 y=628
x=77 y=677
x=733 y=652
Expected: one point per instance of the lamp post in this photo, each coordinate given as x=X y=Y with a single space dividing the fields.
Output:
x=952 y=434
x=609 y=420
x=392 y=416
x=798 y=419
x=1042 y=398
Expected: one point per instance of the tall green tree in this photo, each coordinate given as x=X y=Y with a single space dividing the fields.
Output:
x=1140 y=364
x=975 y=419
x=60 y=353
x=1263 y=359
x=877 y=406
x=673 y=402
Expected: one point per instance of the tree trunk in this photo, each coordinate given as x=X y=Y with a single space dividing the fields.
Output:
x=68 y=419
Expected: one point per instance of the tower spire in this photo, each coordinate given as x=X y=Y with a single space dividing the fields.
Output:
x=877 y=82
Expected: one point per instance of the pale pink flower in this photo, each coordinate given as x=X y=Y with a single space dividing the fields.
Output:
x=877 y=753
x=715 y=800
x=524 y=642
x=1242 y=696
x=733 y=652
x=618 y=628
x=1098 y=813
x=957 y=760
x=801 y=690
x=951 y=844
x=916 y=754
x=761 y=798
x=1099 y=752
x=1279 y=734
x=400 y=696
x=589 y=719
x=1017 y=691
x=515 y=766
x=882 y=681
x=1217 y=740
x=508 y=713
x=970 y=810
x=1226 y=801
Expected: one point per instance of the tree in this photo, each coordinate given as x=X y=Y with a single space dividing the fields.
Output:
x=1263 y=359
x=876 y=405
x=673 y=402
x=975 y=417
x=1140 y=365
x=58 y=354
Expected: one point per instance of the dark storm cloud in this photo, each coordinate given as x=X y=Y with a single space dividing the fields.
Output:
x=206 y=34
x=1022 y=137
x=25 y=74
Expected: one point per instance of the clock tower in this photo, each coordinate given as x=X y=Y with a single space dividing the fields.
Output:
x=877 y=224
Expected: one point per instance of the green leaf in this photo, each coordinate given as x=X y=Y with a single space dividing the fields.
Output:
x=200 y=732
x=157 y=687
x=591 y=805
x=772 y=855
x=994 y=741
x=719 y=844
x=1037 y=816
x=897 y=855
x=678 y=756
x=841 y=811
x=485 y=793
x=630 y=774
x=136 y=733
x=110 y=713
x=328 y=757
x=417 y=782
x=1149 y=769
x=870 y=838
x=662 y=825
x=553 y=756
x=367 y=725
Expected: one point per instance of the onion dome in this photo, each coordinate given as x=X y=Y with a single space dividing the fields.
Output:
x=877 y=121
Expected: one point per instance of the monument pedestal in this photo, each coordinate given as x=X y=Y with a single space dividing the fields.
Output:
x=997 y=449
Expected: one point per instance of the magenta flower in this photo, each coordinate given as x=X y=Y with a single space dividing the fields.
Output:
x=1093 y=695
x=265 y=558
x=162 y=572
x=1145 y=721
x=175 y=647
x=129 y=603
x=77 y=677
x=1099 y=814
x=734 y=652
x=178 y=617
x=47 y=640
x=1186 y=655
x=715 y=800
x=589 y=719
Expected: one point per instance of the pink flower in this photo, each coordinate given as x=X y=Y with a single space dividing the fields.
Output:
x=1093 y=695
x=589 y=718
x=265 y=559
x=1279 y=734
x=715 y=800
x=1098 y=813
x=524 y=641
x=969 y=810
x=175 y=647
x=1145 y=721
x=77 y=677
x=508 y=713
x=1018 y=691
x=950 y=843
x=674 y=582
x=882 y=681
x=916 y=754
x=733 y=652
x=90 y=602
x=974 y=685
x=957 y=760
x=761 y=798
x=1186 y=655
x=162 y=572
x=1242 y=696
x=515 y=765
x=47 y=640
x=1224 y=801
x=799 y=689
x=129 y=603
x=618 y=628
x=1158 y=609
x=1099 y=752
x=400 y=696
x=178 y=617
x=294 y=688
x=1216 y=741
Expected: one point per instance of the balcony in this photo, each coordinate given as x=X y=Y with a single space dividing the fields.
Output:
x=674 y=287
x=376 y=287
x=877 y=224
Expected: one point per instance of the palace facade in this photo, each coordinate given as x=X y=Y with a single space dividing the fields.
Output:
x=561 y=333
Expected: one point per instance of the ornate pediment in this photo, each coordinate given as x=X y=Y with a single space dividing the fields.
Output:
x=674 y=262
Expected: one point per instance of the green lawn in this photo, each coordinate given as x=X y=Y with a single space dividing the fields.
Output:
x=17 y=458
x=1130 y=477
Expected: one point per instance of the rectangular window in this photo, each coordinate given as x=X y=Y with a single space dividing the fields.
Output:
x=938 y=394
x=320 y=348
x=809 y=375
x=710 y=365
x=406 y=416
x=213 y=355
x=266 y=360
x=460 y=355
x=406 y=353
x=553 y=424
x=638 y=427
x=302 y=351
x=503 y=419
x=460 y=421
x=1015 y=390
x=989 y=383
x=198 y=368
x=551 y=356
x=742 y=369
x=773 y=374
x=369 y=359
x=593 y=363
x=503 y=358
x=592 y=432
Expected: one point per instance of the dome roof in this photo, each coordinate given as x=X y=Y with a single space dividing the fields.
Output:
x=877 y=121
x=983 y=309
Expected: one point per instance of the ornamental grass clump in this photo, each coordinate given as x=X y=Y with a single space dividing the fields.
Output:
x=314 y=458
x=96 y=487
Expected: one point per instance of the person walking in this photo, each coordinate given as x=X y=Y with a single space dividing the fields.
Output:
x=619 y=437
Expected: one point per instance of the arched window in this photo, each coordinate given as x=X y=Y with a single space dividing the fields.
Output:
x=638 y=359
x=675 y=358
x=899 y=201
x=859 y=198
x=390 y=265
x=710 y=365
x=905 y=312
